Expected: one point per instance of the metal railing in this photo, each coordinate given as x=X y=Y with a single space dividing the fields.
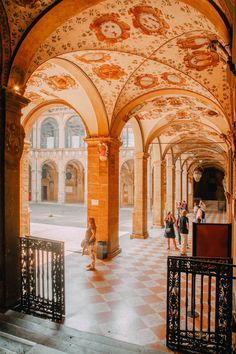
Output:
x=42 y=277
x=200 y=305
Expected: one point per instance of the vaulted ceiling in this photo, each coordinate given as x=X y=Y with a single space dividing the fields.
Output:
x=148 y=60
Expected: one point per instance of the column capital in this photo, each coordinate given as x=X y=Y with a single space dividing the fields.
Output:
x=142 y=155
x=13 y=100
x=94 y=141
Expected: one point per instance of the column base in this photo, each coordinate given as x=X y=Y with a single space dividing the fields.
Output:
x=157 y=226
x=114 y=253
x=140 y=236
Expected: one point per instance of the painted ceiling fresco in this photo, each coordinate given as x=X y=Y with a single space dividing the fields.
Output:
x=131 y=51
x=21 y=13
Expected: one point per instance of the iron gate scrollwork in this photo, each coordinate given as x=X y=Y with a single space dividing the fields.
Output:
x=42 y=277
x=199 y=305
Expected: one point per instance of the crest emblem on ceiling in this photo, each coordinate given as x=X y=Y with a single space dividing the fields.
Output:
x=109 y=72
x=60 y=83
x=146 y=81
x=93 y=57
x=173 y=78
x=195 y=42
x=110 y=29
x=201 y=59
x=149 y=20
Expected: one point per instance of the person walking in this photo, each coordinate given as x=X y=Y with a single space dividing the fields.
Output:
x=89 y=242
x=169 y=230
x=178 y=212
x=184 y=229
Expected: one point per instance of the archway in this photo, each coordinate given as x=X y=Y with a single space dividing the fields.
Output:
x=74 y=182
x=49 y=182
x=127 y=184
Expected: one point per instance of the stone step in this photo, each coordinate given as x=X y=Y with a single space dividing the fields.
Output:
x=63 y=338
x=13 y=344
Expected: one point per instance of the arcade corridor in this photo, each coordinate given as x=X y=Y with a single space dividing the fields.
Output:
x=126 y=297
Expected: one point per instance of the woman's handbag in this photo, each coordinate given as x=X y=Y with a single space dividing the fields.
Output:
x=168 y=230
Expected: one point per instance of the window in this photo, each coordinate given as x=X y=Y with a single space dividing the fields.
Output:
x=74 y=133
x=127 y=136
x=49 y=134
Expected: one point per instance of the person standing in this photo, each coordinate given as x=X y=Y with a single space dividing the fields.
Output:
x=199 y=215
x=169 y=230
x=184 y=229
x=90 y=242
x=178 y=212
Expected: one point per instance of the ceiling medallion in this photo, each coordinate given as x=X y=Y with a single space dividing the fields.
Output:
x=149 y=20
x=109 y=72
x=146 y=81
x=30 y=3
x=93 y=57
x=196 y=42
x=60 y=83
x=110 y=29
x=200 y=59
x=173 y=78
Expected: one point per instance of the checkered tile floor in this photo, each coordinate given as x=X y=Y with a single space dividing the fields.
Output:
x=125 y=298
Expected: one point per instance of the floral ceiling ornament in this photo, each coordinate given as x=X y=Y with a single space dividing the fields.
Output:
x=103 y=151
x=93 y=57
x=149 y=20
x=146 y=81
x=60 y=83
x=173 y=78
x=201 y=60
x=31 y=3
x=195 y=42
x=33 y=96
x=110 y=29
x=109 y=72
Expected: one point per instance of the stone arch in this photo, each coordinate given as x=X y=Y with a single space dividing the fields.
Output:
x=49 y=181
x=29 y=119
x=74 y=182
x=127 y=183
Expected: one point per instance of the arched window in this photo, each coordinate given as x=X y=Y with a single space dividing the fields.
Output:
x=127 y=136
x=49 y=134
x=74 y=133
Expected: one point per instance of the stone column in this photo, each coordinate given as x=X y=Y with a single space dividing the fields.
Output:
x=190 y=193
x=12 y=142
x=140 y=196
x=158 y=205
x=61 y=181
x=24 y=188
x=103 y=190
x=33 y=178
x=170 y=183
x=178 y=185
x=185 y=185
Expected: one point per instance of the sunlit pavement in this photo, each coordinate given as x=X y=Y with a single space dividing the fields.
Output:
x=125 y=298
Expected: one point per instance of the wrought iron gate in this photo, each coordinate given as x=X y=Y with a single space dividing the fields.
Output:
x=42 y=277
x=199 y=305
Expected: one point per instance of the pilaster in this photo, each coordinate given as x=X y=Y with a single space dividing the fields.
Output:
x=12 y=134
x=24 y=188
x=140 y=196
